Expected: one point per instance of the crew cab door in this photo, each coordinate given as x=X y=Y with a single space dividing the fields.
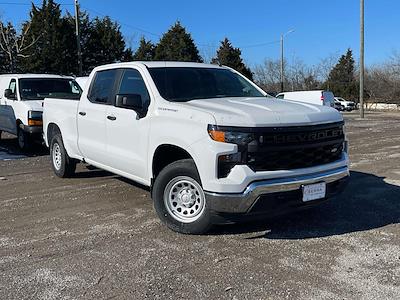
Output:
x=91 y=116
x=127 y=132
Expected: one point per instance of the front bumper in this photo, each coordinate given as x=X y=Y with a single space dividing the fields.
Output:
x=276 y=195
x=32 y=129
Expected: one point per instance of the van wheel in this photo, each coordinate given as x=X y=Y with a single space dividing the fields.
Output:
x=63 y=165
x=24 y=140
x=179 y=198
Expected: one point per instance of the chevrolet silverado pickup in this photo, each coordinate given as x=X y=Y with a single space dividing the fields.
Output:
x=212 y=146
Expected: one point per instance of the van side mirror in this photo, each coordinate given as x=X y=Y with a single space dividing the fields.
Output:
x=130 y=101
x=8 y=93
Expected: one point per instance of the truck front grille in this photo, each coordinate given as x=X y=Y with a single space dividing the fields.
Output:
x=287 y=148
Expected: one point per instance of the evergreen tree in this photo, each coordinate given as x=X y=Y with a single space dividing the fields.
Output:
x=341 y=80
x=52 y=48
x=3 y=63
x=177 y=45
x=84 y=31
x=56 y=51
x=229 y=56
x=128 y=55
x=105 y=44
x=146 y=50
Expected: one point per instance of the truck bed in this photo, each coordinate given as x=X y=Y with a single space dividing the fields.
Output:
x=63 y=112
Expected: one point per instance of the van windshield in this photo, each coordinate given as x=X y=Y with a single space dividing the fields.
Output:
x=40 y=88
x=188 y=83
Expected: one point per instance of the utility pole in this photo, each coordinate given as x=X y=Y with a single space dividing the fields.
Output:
x=78 y=39
x=282 y=59
x=282 y=76
x=362 y=59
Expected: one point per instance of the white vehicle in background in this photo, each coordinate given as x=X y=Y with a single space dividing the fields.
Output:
x=338 y=105
x=347 y=105
x=82 y=81
x=318 y=97
x=21 y=102
x=210 y=144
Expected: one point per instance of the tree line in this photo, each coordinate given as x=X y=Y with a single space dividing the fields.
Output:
x=46 y=43
x=337 y=73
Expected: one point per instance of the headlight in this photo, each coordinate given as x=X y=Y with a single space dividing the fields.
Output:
x=35 y=118
x=232 y=137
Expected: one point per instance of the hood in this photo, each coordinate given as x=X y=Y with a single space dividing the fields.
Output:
x=36 y=105
x=259 y=112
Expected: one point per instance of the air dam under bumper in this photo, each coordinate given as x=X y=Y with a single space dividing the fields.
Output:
x=275 y=196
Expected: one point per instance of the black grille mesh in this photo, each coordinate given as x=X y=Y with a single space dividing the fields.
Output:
x=291 y=150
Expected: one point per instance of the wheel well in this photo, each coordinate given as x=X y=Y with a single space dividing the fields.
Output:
x=52 y=130
x=165 y=155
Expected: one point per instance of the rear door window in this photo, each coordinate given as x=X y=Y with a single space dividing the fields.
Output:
x=101 y=90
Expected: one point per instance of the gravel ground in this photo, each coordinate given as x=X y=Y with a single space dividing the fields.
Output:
x=96 y=236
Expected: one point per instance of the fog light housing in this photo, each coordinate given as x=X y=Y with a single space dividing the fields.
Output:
x=226 y=162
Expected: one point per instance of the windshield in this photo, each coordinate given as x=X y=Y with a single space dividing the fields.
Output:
x=40 y=88
x=185 y=84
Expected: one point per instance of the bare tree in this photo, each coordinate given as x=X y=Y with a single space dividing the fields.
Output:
x=268 y=75
x=207 y=51
x=324 y=67
x=382 y=82
x=298 y=76
x=15 y=45
x=302 y=77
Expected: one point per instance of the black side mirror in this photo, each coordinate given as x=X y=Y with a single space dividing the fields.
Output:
x=130 y=101
x=9 y=94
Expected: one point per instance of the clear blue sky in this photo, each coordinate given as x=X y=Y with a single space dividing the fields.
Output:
x=322 y=27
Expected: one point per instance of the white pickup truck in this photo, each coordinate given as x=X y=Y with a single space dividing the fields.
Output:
x=211 y=145
x=21 y=102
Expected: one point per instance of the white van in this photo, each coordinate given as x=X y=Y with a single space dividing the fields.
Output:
x=319 y=97
x=21 y=102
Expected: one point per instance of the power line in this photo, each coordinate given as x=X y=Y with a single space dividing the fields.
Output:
x=260 y=45
x=159 y=35
x=243 y=46
x=122 y=23
x=139 y=28
x=30 y=3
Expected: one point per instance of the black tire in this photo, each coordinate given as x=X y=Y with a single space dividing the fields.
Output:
x=65 y=166
x=185 y=168
x=24 y=140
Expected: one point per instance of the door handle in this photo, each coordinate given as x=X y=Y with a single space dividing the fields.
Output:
x=111 y=118
x=82 y=113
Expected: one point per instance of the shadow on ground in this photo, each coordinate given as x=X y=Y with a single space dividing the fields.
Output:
x=367 y=203
x=9 y=148
x=94 y=172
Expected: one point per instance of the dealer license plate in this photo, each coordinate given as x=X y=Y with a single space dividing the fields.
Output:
x=314 y=191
